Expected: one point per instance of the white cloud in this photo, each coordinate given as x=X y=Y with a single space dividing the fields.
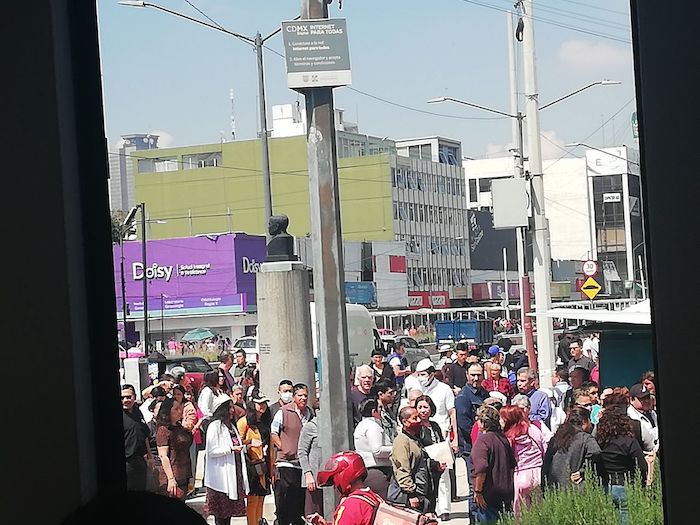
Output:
x=552 y=146
x=165 y=139
x=584 y=55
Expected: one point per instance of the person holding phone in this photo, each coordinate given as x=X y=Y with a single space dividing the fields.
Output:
x=225 y=479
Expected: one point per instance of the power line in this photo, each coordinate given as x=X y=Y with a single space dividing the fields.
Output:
x=573 y=15
x=399 y=105
x=589 y=6
x=552 y=22
x=417 y=110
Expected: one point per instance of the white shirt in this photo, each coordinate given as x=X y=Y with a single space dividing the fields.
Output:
x=650 y=433
x=206 y=401
x=590 y=348
x=411 y=383
x=444 y=399
x=371 y=443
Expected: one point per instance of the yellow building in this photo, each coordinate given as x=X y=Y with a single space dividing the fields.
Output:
x=218 y=188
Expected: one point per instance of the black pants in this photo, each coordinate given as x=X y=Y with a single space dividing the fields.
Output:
x=289 y=496
x=378 y=479
x=136 y=473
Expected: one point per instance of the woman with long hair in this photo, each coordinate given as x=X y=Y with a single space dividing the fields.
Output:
x=569 y=450
x=191 y=421
x=529 y=447
x=173 y=444
x=225 y=478
x=431 y=434
x=210 y=390
x=621 y=457
x=254 y=429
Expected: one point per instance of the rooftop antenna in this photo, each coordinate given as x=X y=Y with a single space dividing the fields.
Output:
x=233 y=118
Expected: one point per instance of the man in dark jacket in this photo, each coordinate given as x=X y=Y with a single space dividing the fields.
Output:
x=467 y=402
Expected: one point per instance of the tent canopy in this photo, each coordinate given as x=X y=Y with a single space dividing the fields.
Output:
x=639 y=313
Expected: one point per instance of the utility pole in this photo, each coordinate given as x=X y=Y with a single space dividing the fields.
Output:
x=519 y=167
x=145 y=279
x=267 y=193
x=541 y=250
x=335 y=415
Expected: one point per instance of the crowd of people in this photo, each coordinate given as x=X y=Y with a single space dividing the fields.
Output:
x=413 y=421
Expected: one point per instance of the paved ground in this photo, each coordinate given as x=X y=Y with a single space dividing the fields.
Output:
x=459 y=510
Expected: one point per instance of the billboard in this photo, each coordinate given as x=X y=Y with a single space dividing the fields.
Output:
x=486 y=243
x=361 y=292
x=317 y=53
x=192 y=275
x=440 y=299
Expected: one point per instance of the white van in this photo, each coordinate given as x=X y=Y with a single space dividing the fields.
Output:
x=362 y=336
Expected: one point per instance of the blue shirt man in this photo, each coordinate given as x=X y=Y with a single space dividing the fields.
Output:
x=540 y=407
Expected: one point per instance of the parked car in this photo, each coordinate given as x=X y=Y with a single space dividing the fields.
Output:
x=249 y=343
x=195 y=368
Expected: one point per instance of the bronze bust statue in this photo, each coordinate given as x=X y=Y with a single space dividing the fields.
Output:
x=281 y=245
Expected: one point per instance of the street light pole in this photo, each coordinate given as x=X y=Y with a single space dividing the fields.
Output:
x=123 y=281
x=267 y=192
x=145 y=279
x=542 y=267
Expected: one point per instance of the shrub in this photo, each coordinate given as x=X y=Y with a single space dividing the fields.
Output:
x=588 y=503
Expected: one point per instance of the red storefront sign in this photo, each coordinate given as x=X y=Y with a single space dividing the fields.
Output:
x=418 y=300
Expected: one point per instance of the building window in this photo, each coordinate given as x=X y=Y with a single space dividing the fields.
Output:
x=393 y=177
x=414 y=152
x=426 y=152
x=158 y=165
x=484 y=185
x=403 y=215
x=411 y=212
x=201 y=160
x=473 y=197
x=419 y=182
x=396 y=211
x=421 y=213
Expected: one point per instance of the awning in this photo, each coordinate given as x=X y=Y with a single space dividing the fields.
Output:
x=639 y=313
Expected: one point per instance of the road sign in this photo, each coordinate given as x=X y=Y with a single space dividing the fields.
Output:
x=317 y=53
x=591 y=288
x=590 y=268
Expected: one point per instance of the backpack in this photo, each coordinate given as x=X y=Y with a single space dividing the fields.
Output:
x=386 y=514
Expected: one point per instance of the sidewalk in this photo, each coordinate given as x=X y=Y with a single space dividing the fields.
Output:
x=459 y=513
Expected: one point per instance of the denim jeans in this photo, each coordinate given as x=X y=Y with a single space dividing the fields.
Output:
x=618 y=494
x=487 y=516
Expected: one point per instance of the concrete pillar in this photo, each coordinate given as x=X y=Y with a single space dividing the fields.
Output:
x=284 y=326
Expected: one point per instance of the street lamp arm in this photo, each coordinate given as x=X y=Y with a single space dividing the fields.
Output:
x=583 y=144
x=597 y=83
x=477 y=106
x=244 y=38
x=265 y=39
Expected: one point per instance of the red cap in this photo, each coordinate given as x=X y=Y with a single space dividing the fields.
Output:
x=342 y=470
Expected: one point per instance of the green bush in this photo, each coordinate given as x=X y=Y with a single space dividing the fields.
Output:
x=588 y=504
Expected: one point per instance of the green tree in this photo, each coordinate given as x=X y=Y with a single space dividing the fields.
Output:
x=118 y=217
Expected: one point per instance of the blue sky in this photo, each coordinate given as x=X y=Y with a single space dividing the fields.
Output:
x=163 y=74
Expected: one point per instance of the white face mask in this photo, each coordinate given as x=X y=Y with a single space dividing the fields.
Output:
x=286 y=397
x=424 y=381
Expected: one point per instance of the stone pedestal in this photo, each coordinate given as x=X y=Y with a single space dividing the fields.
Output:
x=284 y=327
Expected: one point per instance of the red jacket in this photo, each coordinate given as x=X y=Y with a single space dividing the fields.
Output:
x=357 y=508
